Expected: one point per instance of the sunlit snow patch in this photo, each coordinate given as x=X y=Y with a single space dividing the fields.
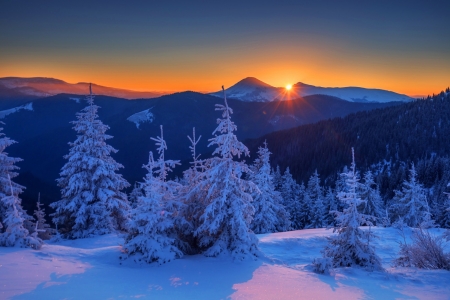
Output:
x=4 y=113
x=142 y=117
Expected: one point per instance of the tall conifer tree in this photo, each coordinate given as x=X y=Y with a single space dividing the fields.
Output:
x=351 y=246
x=151 y=231
x=270 y=214
x=92 y=201
x=225 y=221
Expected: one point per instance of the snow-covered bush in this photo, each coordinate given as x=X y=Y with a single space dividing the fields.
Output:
x=92 y=202
x=322 y=265
x=152 y=221
x=426 y=251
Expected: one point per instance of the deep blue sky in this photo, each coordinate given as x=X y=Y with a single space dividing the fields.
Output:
x=176 y=45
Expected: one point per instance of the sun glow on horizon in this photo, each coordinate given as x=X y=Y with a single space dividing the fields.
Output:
x=288 y=87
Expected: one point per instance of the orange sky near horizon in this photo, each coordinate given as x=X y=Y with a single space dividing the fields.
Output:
x=210 y=76
x=179 y=45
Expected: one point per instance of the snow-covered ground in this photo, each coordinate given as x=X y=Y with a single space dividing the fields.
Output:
x=91 y=269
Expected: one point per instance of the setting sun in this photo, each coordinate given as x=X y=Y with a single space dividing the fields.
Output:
x=289 y=87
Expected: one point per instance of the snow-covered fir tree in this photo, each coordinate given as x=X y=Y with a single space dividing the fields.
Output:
x=447 y=217
x=446 y=213
x=150 y=238
x=373 y=203
x=14 y=219
x=351 y=246
x=270 y=214
x=44 y=231
x=191 y=175
x=92 y=199
x=193 y=206
x=290 y=192
x=225 y=221
x=304 y=205
x=341 y=186
x=277 y=178
x=135 y=194
x=315 y=195
x=411 y=204
x=330 y=207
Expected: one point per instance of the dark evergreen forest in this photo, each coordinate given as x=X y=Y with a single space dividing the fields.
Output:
x=386 y=141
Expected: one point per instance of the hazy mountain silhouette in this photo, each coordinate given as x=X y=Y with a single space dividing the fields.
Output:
x=38 y=87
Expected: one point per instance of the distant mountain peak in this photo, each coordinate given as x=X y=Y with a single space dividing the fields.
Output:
x=252 y=81
x=251 y=89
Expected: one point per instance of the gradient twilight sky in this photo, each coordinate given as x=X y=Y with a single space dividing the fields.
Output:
x=402 y=46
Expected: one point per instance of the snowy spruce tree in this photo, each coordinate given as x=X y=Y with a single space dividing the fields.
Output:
x=135 y=194
x=270 y=214
x=225 y=222
x=351 y=246
x=193 y=206
x=315 y=195
x=341 y=186
x=14 y=219
x=373 y=203
x=44 y=231
x=446 y=212
x=191 y=175
x=92 y=202
x=277 y=178
x=151 y=229
x=291 y=193
x=330 y=207
x=410 y=204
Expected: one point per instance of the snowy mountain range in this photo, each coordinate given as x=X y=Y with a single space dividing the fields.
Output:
x=38 y=87
x=249 y=89
x=254 y=90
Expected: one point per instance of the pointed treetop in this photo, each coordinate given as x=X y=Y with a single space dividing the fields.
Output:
x=194 y=142
x=228 y=111
x=161 y=143
x=90 y=97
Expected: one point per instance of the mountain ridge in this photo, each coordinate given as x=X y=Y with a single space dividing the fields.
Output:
x=46 y=86
x=249 y=89
x=254 y=90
